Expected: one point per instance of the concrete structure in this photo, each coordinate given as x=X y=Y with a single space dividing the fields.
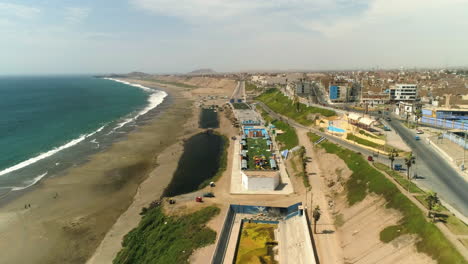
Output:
x=338 y=92
x=445 y=118
x=403 y=92
x=260 y=180
x=303 y=88
x=375 y=99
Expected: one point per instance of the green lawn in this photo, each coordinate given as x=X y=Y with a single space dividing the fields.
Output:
x=167 y=239
x=366 y=179
x=281 y=104
x=362 y=141
x=250 y=86
x=289 y=139
x=401 y=179
x=240 y=106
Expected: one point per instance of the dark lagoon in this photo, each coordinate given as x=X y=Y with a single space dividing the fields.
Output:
x=209 y=118
x=199 y=162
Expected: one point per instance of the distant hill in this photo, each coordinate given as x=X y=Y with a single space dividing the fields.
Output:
x=202 y=71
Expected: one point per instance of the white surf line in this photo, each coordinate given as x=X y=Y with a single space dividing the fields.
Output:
x=48 y=153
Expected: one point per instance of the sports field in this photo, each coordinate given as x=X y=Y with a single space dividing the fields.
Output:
x=257 y=147
x=257 y=244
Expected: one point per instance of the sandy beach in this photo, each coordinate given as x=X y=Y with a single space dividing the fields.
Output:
x=69 y=215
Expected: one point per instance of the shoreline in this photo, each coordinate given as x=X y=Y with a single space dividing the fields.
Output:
x=156 y=102
x=91 y=197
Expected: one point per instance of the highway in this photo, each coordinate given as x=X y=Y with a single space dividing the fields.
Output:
x=439 y=175
x=239 y=92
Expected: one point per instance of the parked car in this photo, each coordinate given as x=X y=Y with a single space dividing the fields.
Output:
x=208 y=194
x=398 y=167
x=388 y=119
x=417 y=138
x=386 y=128
x=370 y=158
x=419 y=131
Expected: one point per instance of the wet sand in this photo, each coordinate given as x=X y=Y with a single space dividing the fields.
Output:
x=71 y=214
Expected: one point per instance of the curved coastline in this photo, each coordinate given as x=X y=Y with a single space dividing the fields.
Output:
x=156 y=98
x=79 y=207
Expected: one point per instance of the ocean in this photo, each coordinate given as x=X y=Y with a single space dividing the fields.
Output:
x=48 y=124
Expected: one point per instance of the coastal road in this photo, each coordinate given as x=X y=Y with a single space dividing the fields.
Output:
x=239 y=92
x=438 y=174
x=354 y=147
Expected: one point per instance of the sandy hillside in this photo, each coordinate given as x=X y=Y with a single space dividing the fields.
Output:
x=359 y=226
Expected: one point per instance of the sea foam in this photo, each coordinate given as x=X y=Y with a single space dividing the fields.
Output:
x=155 y=99
x=48 y=153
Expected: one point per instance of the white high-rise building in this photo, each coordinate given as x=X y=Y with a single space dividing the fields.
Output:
x=403 y=92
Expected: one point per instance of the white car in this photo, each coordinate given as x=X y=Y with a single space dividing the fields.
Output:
x=419 y=131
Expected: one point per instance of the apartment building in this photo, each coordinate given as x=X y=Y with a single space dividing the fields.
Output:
x=403 y=92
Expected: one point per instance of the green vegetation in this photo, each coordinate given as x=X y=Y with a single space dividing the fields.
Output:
x=167 y=239
x=314 y=137
x=240 y=106
x=365 y=179
x=401 y=179
x=456 y=226
x=256 y=243
x=298 y=162
x=257 y=147
x=176 y=84
x=339 y=220
x=288 y=139
x=363 y=132
x=362 y=141
x=281 y=104
x=223 y=161
x=250 y=86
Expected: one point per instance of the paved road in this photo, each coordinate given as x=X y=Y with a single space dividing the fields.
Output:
x=439 y=175
x=239 y=92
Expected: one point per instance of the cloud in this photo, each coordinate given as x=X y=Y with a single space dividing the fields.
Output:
x=18 y=11
x=207 y=10
x=76 y=15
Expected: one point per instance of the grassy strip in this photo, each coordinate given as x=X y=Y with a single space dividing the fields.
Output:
x=362 y=141
x=166 y=239
x=240 y=106
x=179 y=84
x=366 y=179
x=250 y=86
x=222 y=163
x=401 y=179
x=288 y=139
x=362 y=132
x=299 y=161
x=281 y=104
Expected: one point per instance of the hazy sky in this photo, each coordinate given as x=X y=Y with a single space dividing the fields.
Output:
x=100 y=36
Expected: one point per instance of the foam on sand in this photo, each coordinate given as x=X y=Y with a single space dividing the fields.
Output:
x=34 y=181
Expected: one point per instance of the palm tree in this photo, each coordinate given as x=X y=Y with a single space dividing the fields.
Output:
x=432 y=201
x=316 y=215
x=393 y=154
x=409 y=161
x=418 y=114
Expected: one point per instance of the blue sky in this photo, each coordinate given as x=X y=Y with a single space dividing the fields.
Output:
x=162 y=36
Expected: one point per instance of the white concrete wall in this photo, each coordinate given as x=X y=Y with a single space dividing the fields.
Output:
x=260 y=183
